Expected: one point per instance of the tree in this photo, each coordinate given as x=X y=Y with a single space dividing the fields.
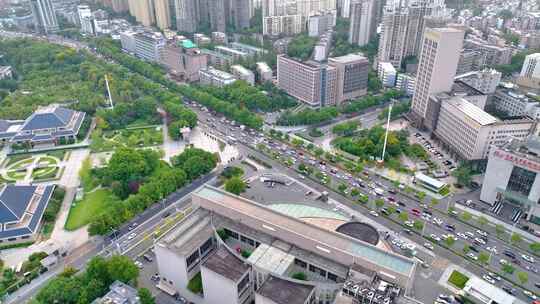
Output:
x=516 y=238
x=466 y=216
x=483 y=258
x=61 y=290
x=434 y=202
x=364 y=199
x=523 y=277
x=499 y=229
x=145 y=296
x=379 y=203
x=299 y=276
x=466 y=249
x=301 y=47
x=232 y=171
x=318 y=152
x=122 y=268
x=418 y=225
x=345 y=128
x=403 y=217
x=342 y=187
x=450 y=241
x=482 y=220
x=354 y=192
x=508 y=268
x=463 y=175
x=235 y=185
x=421 y=195
x=535 y=247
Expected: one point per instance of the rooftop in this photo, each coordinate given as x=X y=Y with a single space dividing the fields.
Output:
x=348 y=58
x=326 y=243
x=360 y=231
x=529 y=148
x=226 y=264
x=190 y=234
x=427 y=179
x=271 y=259
x=119 y=293
x=475 y=113
x=283 y=291
x=488 y=292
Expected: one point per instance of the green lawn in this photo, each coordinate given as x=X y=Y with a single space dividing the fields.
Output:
x=47 y=160
x=22 y=164
x=81 y=212
x=16 y=174
x=458 y=279
x=45 y=173
x=16 y=158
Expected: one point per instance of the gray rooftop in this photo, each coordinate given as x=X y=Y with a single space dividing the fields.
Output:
x=226 y=264
x=48 y=117
x=119 y=293
x=475 y=113
x=283 y=291
x=327 y=243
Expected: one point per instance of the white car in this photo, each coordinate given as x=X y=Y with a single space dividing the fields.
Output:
x=437 y=221
x=528 y=258
x=375 y=214
x=138 y=264
x=462 y=235
x=503 y=262
x=479 y=241
x=428 y=246
x=409 y=224
x=492 y=250
x=495 y=276
x=488 y=279
x=435 y=237
x=530 y=294
x=472 y=256
x=469 y=234
x=132 y=236
x=482 y=233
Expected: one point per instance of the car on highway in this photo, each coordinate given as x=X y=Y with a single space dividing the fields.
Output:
x=428 y=246
x=508 y=289
x=462 y=235
x=415 y=212
x=472 y=256
x=494 y=275
x=450 y=228
x=374 y=213
x=528 y=258
x=435 y=237
x=437 y=221
x=479 y=241
x=132 y=236
x=492 y=250
x=509 y=254
x=530 y=294
x=482 y=233
x=488 y=279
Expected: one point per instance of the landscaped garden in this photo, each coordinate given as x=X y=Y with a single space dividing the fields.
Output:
x=458 y=279
x=139 y=137
x=40 y=167
x=82 y=212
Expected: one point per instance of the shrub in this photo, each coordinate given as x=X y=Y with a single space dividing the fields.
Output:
x=458 y=279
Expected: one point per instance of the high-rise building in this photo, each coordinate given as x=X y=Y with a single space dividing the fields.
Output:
x=387 y=74
x=149 y=45
x=44 y=16
x=310 y=82
x=85 y=19
x=362 y=26
x=218 y=10
x=240 y=13
x=242 y=73
x=280 y=16
x=163 y=14
x=287 y=25
x=402 y=28
x=120 y=5
x=143 y=11
x=531 y=66
x=186 y=15
x=352 y=76
x=436 y=70
x=485 y=81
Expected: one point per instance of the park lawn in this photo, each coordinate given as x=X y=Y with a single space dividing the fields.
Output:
x=22 y=164
x=458 y=279
x=47 y=160
x=92 y=204
x=15 y=158
x=16 y=175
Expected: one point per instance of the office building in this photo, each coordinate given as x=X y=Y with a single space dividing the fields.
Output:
x=352 y=76
x=322 y=47
x=242 y=73
x=183 y=60
x=286 y=25
x=223 y=225
x=310 y=82
x=226 y=278
x=248 y=49
x=186 y=15
x=218 y=12
x=217 y=59
x=219 y=38
x=120 y=6
x=163 y=14
x=319 y=24
x=264 y=72
x=127 y=40
x=240 y=13
x=362 y=25
x=149 y=45
x=530 y=72
x=21 y=211
x=211 y=76
x=436 y=69
x=45 y=20
x=491 y=54
x=469 y=132
x=387 y=74
x=515 y=103
x=143 y=11
x=406 y=83
x=201 y=39
x=485 y=81
x=469 y=93
x=234 y=53
x=470 y=60
x=402 y=28
x=83 y=11
x=512 y=181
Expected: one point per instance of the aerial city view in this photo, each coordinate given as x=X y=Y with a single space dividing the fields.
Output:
x=269 y=151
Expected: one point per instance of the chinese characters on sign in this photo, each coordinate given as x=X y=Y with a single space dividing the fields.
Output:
x=518 y=160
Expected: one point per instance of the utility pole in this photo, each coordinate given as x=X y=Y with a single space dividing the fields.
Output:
x=109 y=92
x=387 y=130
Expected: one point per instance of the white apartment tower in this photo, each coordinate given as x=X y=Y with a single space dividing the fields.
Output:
x=531 y=66
x=436 y=68
x=44 y=16
x=362 y=14
x=403 y=25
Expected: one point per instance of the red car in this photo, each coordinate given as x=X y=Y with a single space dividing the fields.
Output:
x=415 y=212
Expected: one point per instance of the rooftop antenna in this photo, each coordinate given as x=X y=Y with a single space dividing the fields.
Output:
x=109 y=92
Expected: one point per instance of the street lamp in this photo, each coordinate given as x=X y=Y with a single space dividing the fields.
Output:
x=387 y=130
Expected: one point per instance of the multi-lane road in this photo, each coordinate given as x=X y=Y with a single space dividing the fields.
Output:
x=437 y=221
